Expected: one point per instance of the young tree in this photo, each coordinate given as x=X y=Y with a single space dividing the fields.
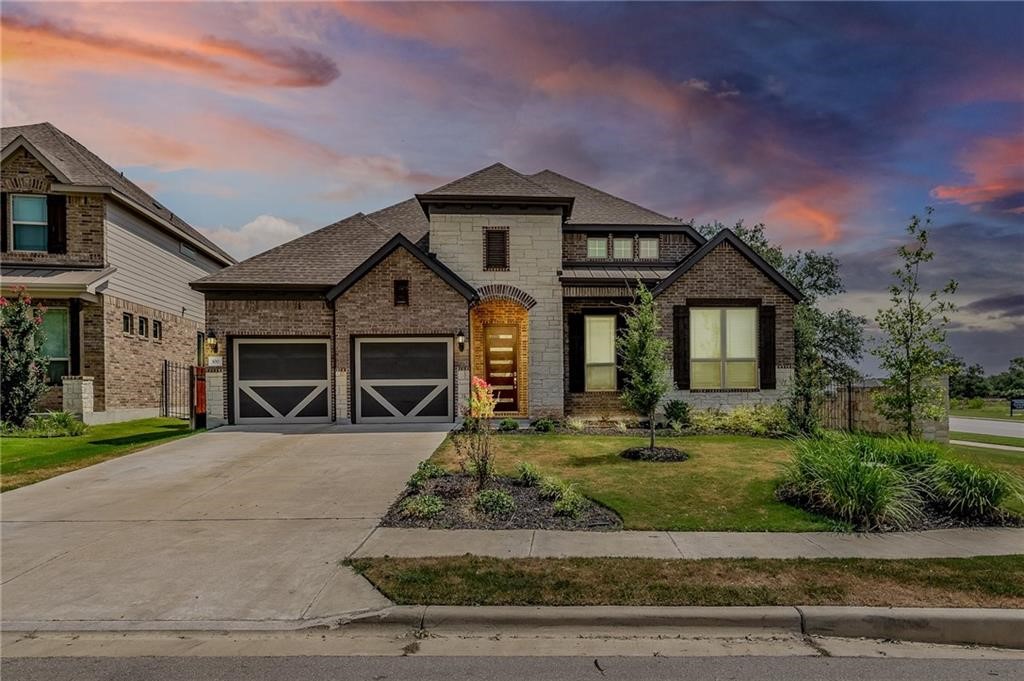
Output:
x=22 y=364
x=643 y=357
x=913 y=347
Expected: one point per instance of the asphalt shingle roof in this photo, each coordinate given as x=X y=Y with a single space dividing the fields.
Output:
x=595 y=207
x=82 y=166
x=494 y=180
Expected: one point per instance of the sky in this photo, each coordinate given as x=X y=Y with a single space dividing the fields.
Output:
x=830 y=123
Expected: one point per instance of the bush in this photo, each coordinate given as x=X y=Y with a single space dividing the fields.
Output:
x=495 y=503
x=622 y=426
x=422 y=506
x=51 y=424
x=975 y=403
x=544 y=425
x=426 y=470
x=550 y=488
x=527 y=474
x=757 y=420
x=23 y=366
x=575 y=424
x=967 y=491
x=508 y=425
x=677 y=414
x=571 y=503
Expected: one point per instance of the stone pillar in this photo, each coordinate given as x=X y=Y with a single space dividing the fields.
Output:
x=78 y=396
x=341 y=414
x=215 y=402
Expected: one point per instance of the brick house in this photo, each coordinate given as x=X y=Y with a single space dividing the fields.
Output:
x=519 y=279
x=112 y=267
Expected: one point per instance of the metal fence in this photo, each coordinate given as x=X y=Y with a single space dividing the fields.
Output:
x=184 y=393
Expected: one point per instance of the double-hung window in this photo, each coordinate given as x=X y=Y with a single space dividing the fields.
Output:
x=597 y=248
x=622 y=248
x=723 y=348
x=29 y=222
x=143 y=327
x=57 y=343
x=648 y=249
x=599 y=352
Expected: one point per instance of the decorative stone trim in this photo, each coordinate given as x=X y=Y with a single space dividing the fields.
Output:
x=506 y=292
x=35 y=185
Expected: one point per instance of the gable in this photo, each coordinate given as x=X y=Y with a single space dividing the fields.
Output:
x=724 y=272
x=375 y=287
x=23 y=171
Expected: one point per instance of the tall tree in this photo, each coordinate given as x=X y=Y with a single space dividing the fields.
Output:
x=643 y=357
x=913 y=346
x=1010 y=383
x=968 y=381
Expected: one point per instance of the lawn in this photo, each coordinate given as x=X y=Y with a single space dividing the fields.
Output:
x=990 y=439
x=992 y=409
x=985 y=582
x=1009 y=462
x=26 y=460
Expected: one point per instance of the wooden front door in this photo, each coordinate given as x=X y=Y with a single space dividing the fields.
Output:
x=501 y=354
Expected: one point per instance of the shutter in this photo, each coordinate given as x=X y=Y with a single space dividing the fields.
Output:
x=577 y=366
x=57 y=217
x=681 y=346
x=496 y=249
x=766 y=346
x=620 y=324
x=3 y=221
x=75 y=333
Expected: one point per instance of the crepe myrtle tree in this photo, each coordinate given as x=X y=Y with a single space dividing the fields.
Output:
x=643 y=359
x=22 y=362
x=913 y=348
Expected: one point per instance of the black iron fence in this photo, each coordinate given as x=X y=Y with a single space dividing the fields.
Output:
x=184 y=393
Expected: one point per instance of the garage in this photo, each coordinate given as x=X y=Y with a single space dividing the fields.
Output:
x=403 y=380
x=282 y=380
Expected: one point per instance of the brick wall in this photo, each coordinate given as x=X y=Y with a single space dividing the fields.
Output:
x=671 y=246
x=22 y=173
x=589 y=404
x=502 y=313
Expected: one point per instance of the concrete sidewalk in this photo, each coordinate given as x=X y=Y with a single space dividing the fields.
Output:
x=987 y=445
x=952 y=543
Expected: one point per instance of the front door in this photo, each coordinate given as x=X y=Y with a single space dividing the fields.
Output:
x=501 y=354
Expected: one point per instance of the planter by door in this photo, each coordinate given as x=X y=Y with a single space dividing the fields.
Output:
x=399 y=380
x=282 y=380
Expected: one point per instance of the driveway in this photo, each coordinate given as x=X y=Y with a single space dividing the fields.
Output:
x=237 y=527
x=986 y=426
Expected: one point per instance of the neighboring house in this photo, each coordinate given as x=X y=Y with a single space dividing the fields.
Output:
x=111 y=265
x=519 y=279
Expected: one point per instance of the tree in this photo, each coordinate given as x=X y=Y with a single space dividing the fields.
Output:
x=22 y=364
x=913 y=347
x=827 y=344
x=643 y=356
x=968 y=381
x=1009 y=383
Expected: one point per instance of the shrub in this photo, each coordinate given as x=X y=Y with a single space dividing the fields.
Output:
x=23 y=366
x=975 y=403
x=422 y=506
x=508 y=425
x=474 y=445
x=622 y=426
x=967 y=491
x=53 y=424
x=495 y=503
x=544 y=425
x=550 y=487
x=527 y=474
x=757 y=420
x=575 y=424
x=677 y=414
x=571 y=503
x=426 y=470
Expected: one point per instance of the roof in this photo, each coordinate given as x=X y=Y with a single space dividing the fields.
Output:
x=393 y=244
x=494 y=180
x=605 y=275
x=53 y=280
x=76 y=165
x=727 y=235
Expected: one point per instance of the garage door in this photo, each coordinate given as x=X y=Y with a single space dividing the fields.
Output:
x=282 y=380
x=400 y=380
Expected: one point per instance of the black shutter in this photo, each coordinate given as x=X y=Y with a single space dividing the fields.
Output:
x=766 y=349
x=620 y=324
x=577 y=366
x=681 y=346
x=496 y=249
x=3 y=221
x=57 y=228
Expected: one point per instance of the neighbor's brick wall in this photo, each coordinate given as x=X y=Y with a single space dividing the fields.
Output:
x=502 y=313
x=368 y=309
x=535 y=255
x=671 y=246
x=726 y=273
x=23 y=174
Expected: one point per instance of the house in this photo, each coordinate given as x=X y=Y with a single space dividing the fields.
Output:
x=111 y=265
x=519 y=279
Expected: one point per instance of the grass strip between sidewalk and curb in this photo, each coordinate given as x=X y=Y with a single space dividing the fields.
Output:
x=982 y=582
x=988 y=439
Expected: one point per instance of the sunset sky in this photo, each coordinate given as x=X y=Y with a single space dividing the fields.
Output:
x=832 y=123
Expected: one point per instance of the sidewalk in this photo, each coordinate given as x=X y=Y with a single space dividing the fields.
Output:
x=952 y=543
x=987 y=445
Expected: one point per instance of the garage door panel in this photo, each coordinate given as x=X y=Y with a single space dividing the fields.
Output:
x=438 y=406
x=403 y=360
x=282 y=380
x=319 y=406
x=403 y=379
x=282 y=361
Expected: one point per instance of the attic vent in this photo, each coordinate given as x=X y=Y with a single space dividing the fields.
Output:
x=496 y=248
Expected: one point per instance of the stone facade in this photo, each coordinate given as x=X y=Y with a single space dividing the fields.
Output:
x=535 y=254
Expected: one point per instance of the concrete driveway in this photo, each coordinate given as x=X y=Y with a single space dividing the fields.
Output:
x=237 y=527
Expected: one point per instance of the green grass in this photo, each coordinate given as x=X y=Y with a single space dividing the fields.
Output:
x=992 y=409
x=990 y=582
x=990 y=439
x=26 y=460
x=1008 y=462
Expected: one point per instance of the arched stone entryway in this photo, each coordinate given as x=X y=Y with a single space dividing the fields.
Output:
x=499 y=339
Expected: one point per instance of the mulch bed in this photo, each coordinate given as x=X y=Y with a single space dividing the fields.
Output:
x=531 y=512
x=662 y=454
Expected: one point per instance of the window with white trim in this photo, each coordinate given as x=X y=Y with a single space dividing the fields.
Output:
x=158 y=329
x=143 y=327
x=622 y=248
x=597 y=248
x=29 y=222
x=599 y=352
x=127 y=323
x=723 y=348
x=57 y=343
x=648 y=249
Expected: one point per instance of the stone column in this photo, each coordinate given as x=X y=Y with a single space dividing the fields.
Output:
x=78 y=396
x=215 y=402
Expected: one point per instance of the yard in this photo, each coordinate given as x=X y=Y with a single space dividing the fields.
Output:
x=991 y=409
x=25 y=460
x=727 y=484
x=990 y=439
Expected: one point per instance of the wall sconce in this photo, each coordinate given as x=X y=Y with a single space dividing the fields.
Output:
x=211 y=343
x=460 y=338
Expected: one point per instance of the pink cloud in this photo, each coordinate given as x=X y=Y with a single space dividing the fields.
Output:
x=996 y=167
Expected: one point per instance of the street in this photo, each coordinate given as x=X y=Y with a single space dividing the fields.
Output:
x=986 y=426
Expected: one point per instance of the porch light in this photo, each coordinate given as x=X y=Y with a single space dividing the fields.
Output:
x=211 y=343
x=460 y=338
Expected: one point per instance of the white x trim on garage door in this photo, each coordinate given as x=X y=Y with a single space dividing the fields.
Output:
x=402 y=379
x=282 y=380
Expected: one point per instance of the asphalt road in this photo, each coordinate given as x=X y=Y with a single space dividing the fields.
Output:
x=986 y=426
x=420 y=668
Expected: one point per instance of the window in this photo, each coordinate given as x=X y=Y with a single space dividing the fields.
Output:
x=158 y=329
x=57 y=343
x=143 y=327
x=599 y=352
x=723 y=347
x=495 y=248
x=401 y=292
x=622 y=248
x=200 y=348
x=30 y=223
x=648 y=249
x=597 y=248
x=127 y=323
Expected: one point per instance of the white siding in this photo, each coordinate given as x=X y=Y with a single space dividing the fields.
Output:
x=151 y=270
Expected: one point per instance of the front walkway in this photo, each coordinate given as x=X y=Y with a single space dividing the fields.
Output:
x=953 y=543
